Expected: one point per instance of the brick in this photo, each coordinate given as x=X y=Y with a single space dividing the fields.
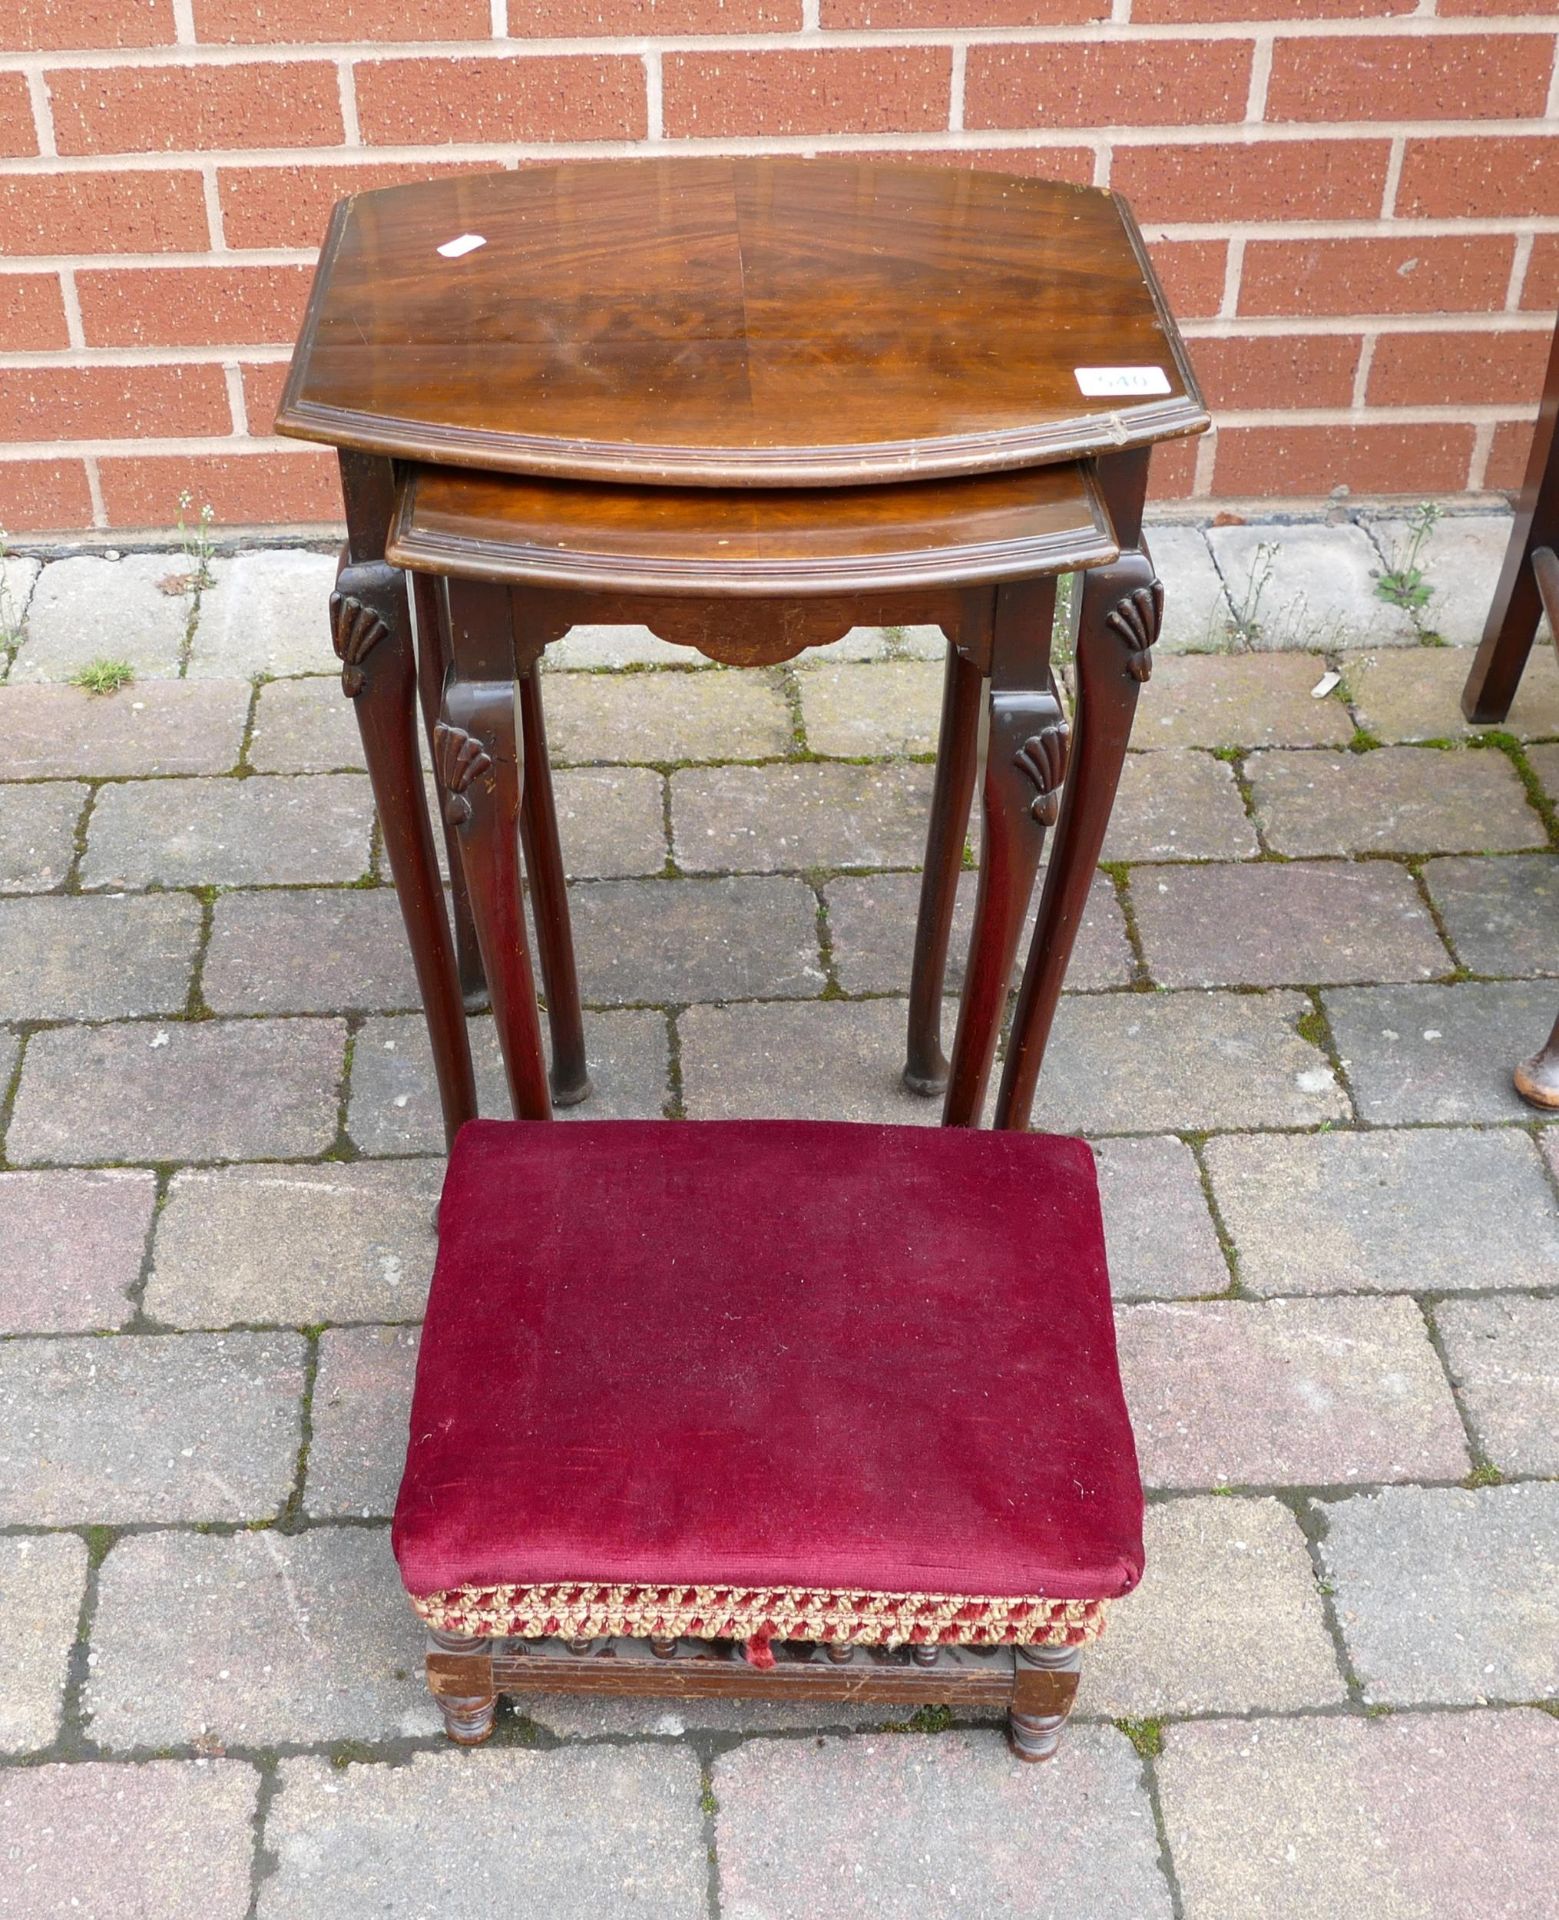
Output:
x=221 y=1090
x=1449 y=77
x=361 y=1405
x=1170 y=83
x=1292 y=1818
x=42 y=496
x=1227 y=1619
x=1310 y=179
x=169 y=1837
x=797 y=1821
x=130 y=109
x=290 y=205
x=1196 y=608
x=830 y=1060
x=266 y=613
x=869 y=709
x=296 y=22
x=1177 y=805
x=1286 y=1393
x=1308 y=587
x=1451 y=369
x=1503 y=1356
x=262 y=384
x=665 y=716
x=430 y=102
x=1192 y=274
x=85 y=608
x=595 y=19
x=1418 y=1211
x=75 y=959
x=1499 y=914
x=112 y=403
x=132 y=1427
x=41 y=1586
x=763 y=819
x=38 y=835
x=273 y=830
x=1540 y=288
x=574 y=1832
x=1397 y=800
x=18 y=130
x=1481 y=177
x=895 y=89
x=269 y=490
x=295 y=1245
x=394 y=1107
x=1239 y=700
x=123 y=212
x=677 y=940
x=32 y=314
x=1247 y=373
x=47 y=25
x=1174 y=473
x=1300 y=461
x=1217 y=1060
x=1447 y=1595
x=151 y=726
x=1075 y=164
x=1160 y=1235
x=1297 y=923
x=899 y=15
x=192 y=306
x=1265 y=11
x=74 y=1247
x=304 y=726
x=180 y=1617
x=1416 y=274
x=1438 y=1054
x=1509 y=453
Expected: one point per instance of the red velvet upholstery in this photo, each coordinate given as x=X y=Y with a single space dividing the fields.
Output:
x=774 y=1355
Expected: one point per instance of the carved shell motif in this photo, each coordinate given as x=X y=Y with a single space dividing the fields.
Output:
x=461 y=759
x=1136 y=620
x=1043 y=758
x=356 y=629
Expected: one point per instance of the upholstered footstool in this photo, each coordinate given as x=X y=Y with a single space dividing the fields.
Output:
x=776 y=1409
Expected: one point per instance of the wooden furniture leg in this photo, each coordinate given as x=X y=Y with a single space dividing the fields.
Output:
x=1044 y=1686
x=1024 y=765
x=460 y=1678
x=432 y=665
x=1537 y=1079
x=1122 y=608
x=549 y=902
x=370 y=625
x=952 y=793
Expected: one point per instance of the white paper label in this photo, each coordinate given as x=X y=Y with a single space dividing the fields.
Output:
x=465 y=243
x=1103 y=383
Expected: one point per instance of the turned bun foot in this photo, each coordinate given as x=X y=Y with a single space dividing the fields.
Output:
x=469 y=1723
x=1044 y=1687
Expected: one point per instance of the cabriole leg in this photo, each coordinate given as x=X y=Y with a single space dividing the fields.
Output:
x=432 y=664
x=549 y=902
x=1537 y=1079
x=1044 y=1686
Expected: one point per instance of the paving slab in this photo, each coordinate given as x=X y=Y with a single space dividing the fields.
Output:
x=660 y=941
x=1160 y=1235
x=127 y=1427
x=1287 y=1393
x=769 y=819
x=595 y=647
x=871 y=925
x=1413 y=1817
x=1394 y=800
x=309 y=950
x=892 y=708
x=1544 y=762
x=1500 y=914
x=304 y=726
x=573 y=1834
x=1438 y=1053
x=295 y=1246
x=69 y=958
x=265 y=612
x=1294 y=922
x=156 y=726
x=361 y=1406
x=38 y=834
x=611 y=821
x=251 y=1639
x=1239 y=700
x=724 y=714
x=1503 y=1355
x=163 y=1840
x=830 y=1060
x=213 y=1090
x=1415 y=693
x=879 y=643
x=272 y=830
x=1415 y=1211
x=1184 y=1062
x=1196 y=608
x=1461 y=561
x=394 y=1102
x=1308 y=587
x=18 y=576
x=595 y=1716
x=1227 y=1619
x=74 y=1244
x=87 y=608
x=899 y=1826
x=1179 y=805
x=1447 y=1595
x=42 y=1580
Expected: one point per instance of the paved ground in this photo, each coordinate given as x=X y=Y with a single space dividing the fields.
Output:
x=1325 y=929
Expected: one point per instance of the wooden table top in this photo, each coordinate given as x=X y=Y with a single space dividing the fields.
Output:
x=758 y=322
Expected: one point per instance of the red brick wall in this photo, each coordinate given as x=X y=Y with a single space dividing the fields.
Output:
x=1354 y=203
